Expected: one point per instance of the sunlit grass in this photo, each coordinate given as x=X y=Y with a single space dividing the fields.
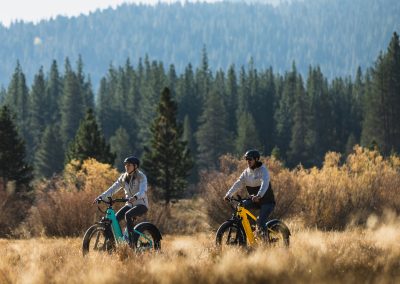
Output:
x=357 y=255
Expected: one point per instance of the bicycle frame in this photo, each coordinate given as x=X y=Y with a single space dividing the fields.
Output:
x=243 y=214
x=116 y=228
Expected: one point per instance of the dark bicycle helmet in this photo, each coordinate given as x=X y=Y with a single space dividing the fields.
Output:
x=252 y=154
x=132 y=160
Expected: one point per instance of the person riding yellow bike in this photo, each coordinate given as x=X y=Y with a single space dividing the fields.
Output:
x=134 y=183
x=256 y=179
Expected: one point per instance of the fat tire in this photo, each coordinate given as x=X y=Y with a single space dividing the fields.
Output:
x=282 y=229
x=109 y=243
x=152 y=230
x=240 y=236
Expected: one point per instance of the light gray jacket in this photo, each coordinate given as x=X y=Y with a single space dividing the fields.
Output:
x=253 y=178
x=136 y=187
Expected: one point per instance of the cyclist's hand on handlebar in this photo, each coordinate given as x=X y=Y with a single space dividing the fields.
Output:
x=96 y=200
x=132 y=199
x=255 y=198
x=227 y=198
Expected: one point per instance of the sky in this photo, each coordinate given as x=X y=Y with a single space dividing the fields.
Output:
x=36 y=10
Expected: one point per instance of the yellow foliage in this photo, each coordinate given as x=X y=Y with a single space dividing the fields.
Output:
x=330 y=197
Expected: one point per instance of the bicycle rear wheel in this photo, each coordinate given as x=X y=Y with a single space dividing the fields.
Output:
x=146 y=237
x=230 y=234
x=278 y=234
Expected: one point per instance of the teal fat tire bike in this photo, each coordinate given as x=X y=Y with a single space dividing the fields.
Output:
x=106 y=235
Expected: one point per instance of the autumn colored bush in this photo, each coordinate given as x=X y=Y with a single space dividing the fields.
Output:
x=331 y=197
x=63 y=205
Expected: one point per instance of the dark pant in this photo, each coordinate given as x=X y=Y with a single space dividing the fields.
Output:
x=129 y=213
x=265 y=210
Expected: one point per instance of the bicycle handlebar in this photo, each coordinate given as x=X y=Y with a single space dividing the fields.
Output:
x=111 y=201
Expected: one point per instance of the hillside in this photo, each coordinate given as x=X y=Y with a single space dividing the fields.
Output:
x=337 y=35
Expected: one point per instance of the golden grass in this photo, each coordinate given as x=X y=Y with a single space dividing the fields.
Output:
x=368 y=255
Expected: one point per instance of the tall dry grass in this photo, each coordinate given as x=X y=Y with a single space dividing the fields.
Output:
x=333 y=197
x=363 y=255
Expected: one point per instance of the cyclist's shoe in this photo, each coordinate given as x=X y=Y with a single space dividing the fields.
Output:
x=260 y=234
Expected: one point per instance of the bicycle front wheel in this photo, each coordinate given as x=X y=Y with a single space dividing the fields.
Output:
x=230 y=234
x=98 y=238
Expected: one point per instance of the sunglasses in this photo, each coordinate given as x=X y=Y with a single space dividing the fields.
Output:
x=249 y=159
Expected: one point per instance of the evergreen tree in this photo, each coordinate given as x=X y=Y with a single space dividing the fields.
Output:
x=167 y=162
x=381 y=123
x=13 y=166
x=72 y=106
x=188 y=99
x=38 y=108
x=49 y=157
x=53 y=95
x=264 y=108
x=284 y=112
x=213 y=137
x=248 y=137
x=3 y=94
x=155 y=80
x=231 y=98
x=89 y=142
x=18 y=101
x=299 y=143
x=120 y=145
x=321 y=129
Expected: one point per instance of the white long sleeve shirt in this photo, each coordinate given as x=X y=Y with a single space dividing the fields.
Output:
x=136 y=187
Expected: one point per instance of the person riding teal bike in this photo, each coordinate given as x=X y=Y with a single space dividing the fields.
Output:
x=134 y=183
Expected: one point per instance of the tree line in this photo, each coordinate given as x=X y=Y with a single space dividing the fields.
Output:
x=337 y=35
x=297 y=120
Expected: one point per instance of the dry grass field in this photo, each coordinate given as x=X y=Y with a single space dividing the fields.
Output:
x=369 y=255
x=344 y=219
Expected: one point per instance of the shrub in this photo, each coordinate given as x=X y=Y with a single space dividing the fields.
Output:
x=330 y=197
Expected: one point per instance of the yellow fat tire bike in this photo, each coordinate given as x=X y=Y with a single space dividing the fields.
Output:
x=240 y=229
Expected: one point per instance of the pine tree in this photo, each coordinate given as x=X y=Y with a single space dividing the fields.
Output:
x=381 y=123
x=53 y=95
x=38 y=108
x=248 y=137
x=155 y=80
x=89 y=142
x=12 y=154
x=49 y=157
x=264 y=108
x=72 y=106
x=120 y=145
x=299 y=144
x=284 y=112
x=167 y=162
x=213 y=137
x=321 y=129
x=18 y=101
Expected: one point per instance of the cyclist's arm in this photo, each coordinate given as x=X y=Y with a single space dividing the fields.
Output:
x=264 y=182
x=118 y=184
x=142 y=187
x=237 y=185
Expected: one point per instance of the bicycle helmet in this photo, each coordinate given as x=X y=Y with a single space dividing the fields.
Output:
x=132 y=160
x=252 y=154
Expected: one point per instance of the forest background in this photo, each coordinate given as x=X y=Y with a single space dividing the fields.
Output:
x=220 y=111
